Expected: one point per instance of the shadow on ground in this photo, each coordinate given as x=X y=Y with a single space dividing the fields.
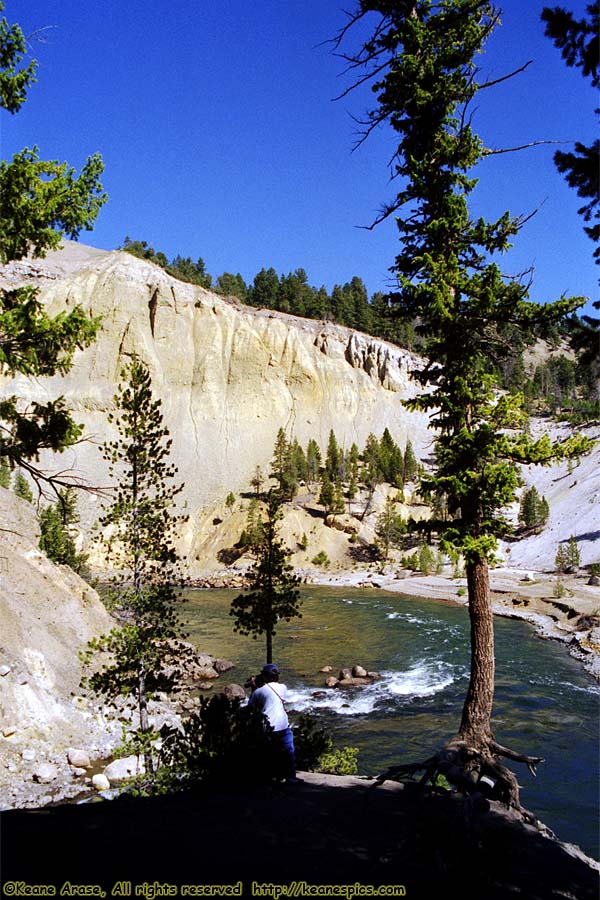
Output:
x=323 y=831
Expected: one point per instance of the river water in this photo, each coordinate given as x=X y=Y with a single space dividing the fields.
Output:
x=545 y=703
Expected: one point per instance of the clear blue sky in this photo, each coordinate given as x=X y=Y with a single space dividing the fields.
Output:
x=220 y=138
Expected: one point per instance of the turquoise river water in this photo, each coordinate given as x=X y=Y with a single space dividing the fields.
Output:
x=545 y=703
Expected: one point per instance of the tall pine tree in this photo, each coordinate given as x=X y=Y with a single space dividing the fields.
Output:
x=421 y=59
x=140 y=524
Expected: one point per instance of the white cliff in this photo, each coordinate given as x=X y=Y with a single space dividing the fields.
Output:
x=229 y=376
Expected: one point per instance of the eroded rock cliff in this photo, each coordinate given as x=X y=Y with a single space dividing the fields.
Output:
x=229 y=376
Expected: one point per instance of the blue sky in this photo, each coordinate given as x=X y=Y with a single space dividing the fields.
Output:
x=221 y=139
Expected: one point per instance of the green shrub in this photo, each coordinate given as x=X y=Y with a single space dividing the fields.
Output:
x=311 y=742
x=339 y=762
x=223 y=742
x=321 y=559
x=426 y=559
x=315 y=751
x=559 y=590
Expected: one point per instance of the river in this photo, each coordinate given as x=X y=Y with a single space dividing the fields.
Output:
x=545 y=703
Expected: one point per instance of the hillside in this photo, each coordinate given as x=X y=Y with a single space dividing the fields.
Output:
x=47 y=614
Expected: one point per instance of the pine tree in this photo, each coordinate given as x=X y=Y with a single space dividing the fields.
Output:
x=352 y=471
x=273 y=595
x=22 y=488
x=326 y=495
x=142 y=523
x=333 y=457
x=264 y=290
x=283 y=466
x=253 y=533
x=389 y=528
x=56 y=540
x=40 y=201
x=313 y=459
x=337 y=503
x=533 y=509
x=372 y=462
x=411 y=466
x=421 y=58
x=257 y=480
x=391 y=461
x=299 y=464
x=567 y=557
x=5 y=473
x=578 y=42
x=230 y=285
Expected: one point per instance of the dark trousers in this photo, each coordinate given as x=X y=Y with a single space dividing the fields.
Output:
x=285 y=754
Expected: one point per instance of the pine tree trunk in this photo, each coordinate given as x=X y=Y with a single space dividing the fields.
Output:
x=475 y=726
x=269 y=646
x=144 y=722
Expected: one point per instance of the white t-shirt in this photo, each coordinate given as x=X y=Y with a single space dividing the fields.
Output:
x=269 y=699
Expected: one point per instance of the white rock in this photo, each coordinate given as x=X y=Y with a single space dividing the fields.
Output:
x=28 y=754
x=5 y=670
x=100 y=782
x=45 y=773
x=127 y=767
x=358 y=672
x=78 y=758
x=8 y=730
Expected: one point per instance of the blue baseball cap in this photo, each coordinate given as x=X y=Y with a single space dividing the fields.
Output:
x=270 y=669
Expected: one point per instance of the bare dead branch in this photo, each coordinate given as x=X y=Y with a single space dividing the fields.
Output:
x=353 y=18
x=45 y=481
x=522 y=68
x=39 y=35
x=488 y=152
x=364 y=78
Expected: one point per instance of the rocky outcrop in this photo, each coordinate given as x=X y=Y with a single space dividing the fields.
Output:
x=47 y=614
x=356 y=676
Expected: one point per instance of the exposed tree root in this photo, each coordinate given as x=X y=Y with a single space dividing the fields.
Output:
x=474 y=771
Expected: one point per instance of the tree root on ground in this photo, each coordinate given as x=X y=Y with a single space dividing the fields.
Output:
x=473 y=771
